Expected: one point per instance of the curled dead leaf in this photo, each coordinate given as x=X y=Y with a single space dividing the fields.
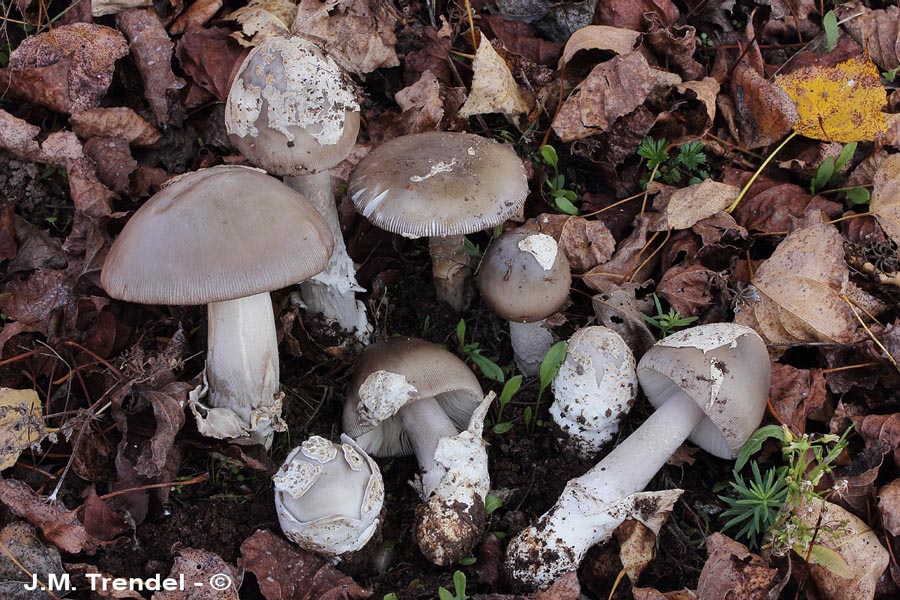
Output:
x=494 y=90
x=60 y=527
x=877 y=30
x=732 y=570
x=765 y=111
x=684 y=207
x=116 y=122
x=599 y=37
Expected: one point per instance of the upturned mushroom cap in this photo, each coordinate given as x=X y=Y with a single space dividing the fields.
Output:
x=426 y=371
x=438 y=184
x=725 y=369
x=290 y=110
x=524 y=277
x=213 y=235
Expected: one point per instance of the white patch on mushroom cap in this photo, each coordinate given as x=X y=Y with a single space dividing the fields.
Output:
x=318 y=448
x=440 y=167
x=542 y=247
x=353 y=458
x=382 y=394
x=296 y=477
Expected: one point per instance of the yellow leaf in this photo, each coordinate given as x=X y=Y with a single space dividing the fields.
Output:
x=838 y=104
x=20 y=423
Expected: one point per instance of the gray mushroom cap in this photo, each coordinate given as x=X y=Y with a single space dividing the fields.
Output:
x=290 y=110
x=213 y=235
x=725 y=369
x=438 y=184
x=524 y=277
x=431 y=370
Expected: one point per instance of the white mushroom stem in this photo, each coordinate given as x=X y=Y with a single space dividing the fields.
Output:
x=451 y=267
x=530 y=342
x=242 y=363
x=593 y=505
x=332 y=293
x=425 y=422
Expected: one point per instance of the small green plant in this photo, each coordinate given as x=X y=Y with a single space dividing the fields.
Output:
x=391 y=596
x=471 y=248
x=830 y=25
x=892 y=74
x=492 y=503
x=459 y=587
x=472 y=352
x=509 y=389
x=705 y=40
x=770 y=502
x=667 y=322
x=550 y=364
x=689 y=162
x=563 y=198
x=829 y=174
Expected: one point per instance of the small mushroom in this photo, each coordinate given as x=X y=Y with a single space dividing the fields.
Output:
x=709 y=384
x=409 y=396
x=292 y=112
x=593 y=389
x=329 y=496
x=440 y=185
x=524 y=278
x=224 y=236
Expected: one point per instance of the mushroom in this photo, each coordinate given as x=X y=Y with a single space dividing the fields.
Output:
x=409 y=396
x=329 y=496
x=441 y=185
x=524 y=278
x=224 y=236
x=292 y=112
x=594 y=388
x=709 y=384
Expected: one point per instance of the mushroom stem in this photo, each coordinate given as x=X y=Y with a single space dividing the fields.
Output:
x=530 y=342
x=242 y=363
x=591 y=506
x=451 y=267
x=425 y=422
x=331 y=293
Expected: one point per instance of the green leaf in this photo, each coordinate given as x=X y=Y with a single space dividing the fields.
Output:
x=459 y=582
x=509 y=390
x=823 y=175
x=828 y=558
x=391 y=596
x=467 y=561
x=461 y=333
x=492 y=503
x=501 y=428
x=444 y=594
x=858 y=195
x=528 y=416
x=487 y=367
x=565 y=206
x=549 y=156
x=830 y=24
x=845 y=155
x=470 y=248
x=755 y=442
x=551 y=362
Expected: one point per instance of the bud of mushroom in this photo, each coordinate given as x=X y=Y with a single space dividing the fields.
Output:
x=409 y=396
x=292 y=112
x=329 y=496
x=524 y=278
x=709 y=384
x=593 y=389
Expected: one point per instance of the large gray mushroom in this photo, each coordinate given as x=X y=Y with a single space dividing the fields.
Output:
x=226 y=237
x=292 y=112
x=409 y=396
x=709 y=384
x=440 y=185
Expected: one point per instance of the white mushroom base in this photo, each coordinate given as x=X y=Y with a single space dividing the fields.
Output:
x=530 y=342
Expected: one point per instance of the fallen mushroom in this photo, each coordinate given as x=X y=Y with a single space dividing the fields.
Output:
x=524 y=278
x=292 y=112
x=329 y=496
x=224 y=236
x=594 y=388
x=709 y=384
x=441 y=185
x=409 y=396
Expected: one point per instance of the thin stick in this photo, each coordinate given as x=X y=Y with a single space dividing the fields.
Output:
x=850 y=216
x=471 y=25
x=848 y=367
x=869 y=332
x=30 y=575
x=153 y=486
x=759 y=171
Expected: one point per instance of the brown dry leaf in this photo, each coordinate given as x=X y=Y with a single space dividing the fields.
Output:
x=620 y=310
x=433 y=56
x=838 y=104
x=585 y=243
x=655 y=594
x=20 y=540
x=630 y=15
x=66 y=70
x=113 y=161
x=151 y=50
x=422 y=105
x=637 y=544
x=676 y=44
x=876 y=30
x=599 y=37
x=494 y=90
x=59 y=526
x=889 y=506
x=687 y=288
x=800 y=287
x=215 y=579
x=209 y=56
x=733 y=571
x=33 y=301
x=795 y=393
x=79 y=579
x=90 y=197
x=612 y=89
x=688 y=205
x=520 y=38
x=765 y=111
x=21 y=424
x=881 y=428
x=790 y=19
x=260 y=19
x=706 y=91
x=628 y=257
x=119 y=121
x=196 y=16
x=285 y=571
x=99 y=519
x=357 y=34
x=854 y=485
x=100 y=8
x=885 y=202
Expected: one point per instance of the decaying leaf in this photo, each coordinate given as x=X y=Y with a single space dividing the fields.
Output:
x=59 y=526
x=885 y=201
x=586 y=243
x=494 y=90
x=100 y=8
x=878 y=31
x=612 y=89
x=421 y=103
x=21 y=423
x=196 y=16
x=520 y=38
x=842 y=103
x=688 y=288
x=286 y=571
x=637 y=545
x=876 y=429
x=620 y=310
x=766 y=112
x=794 y=393
x=688 y=205
x=599 y=37
x=68 y=69
x=20 y=540
x=206 y=576
x=631 y=14
x=733 y=571
x=116 y=122
x=260 y=19
x=628 y=257
x=800 y=287
x=889 y=506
